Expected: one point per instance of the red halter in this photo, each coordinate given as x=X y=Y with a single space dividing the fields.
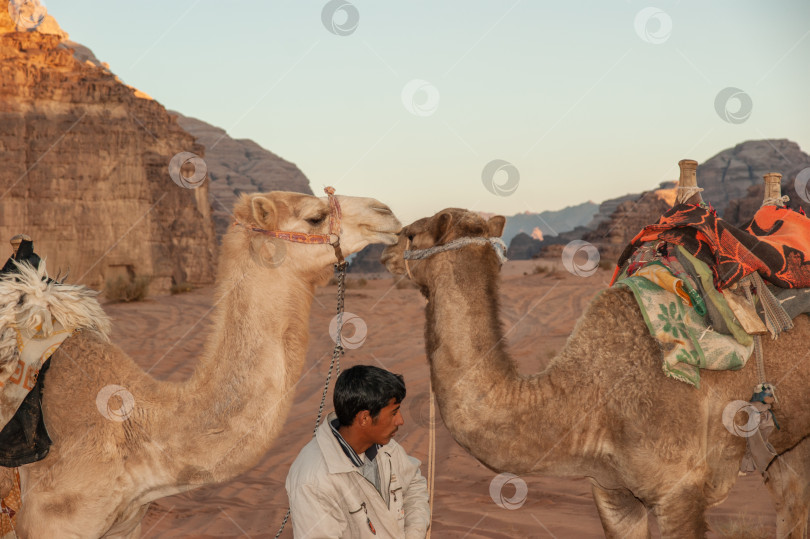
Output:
x=333 y=238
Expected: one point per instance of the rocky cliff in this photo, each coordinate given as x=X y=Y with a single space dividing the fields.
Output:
x=728 y=175
x=781 y=156
x=85 y=167
x=239 y=166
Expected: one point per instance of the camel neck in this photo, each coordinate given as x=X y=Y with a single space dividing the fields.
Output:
x=252 y=361
x=507 y=421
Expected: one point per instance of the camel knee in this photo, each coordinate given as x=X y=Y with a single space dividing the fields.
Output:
x=621 y=513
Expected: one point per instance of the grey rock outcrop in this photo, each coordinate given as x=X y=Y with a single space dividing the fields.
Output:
x=730 y=174
x=523 y=247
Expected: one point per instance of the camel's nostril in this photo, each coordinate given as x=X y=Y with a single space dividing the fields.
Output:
x=383 y=210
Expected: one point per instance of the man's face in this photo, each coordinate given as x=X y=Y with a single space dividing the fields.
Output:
x=385 y=425
x=15 y=245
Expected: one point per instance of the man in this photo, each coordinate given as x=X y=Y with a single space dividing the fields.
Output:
x=353 y=480
x=23 y=251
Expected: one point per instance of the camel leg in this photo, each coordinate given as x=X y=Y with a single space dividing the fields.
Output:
x=622 y=514
x=789 y=483
x=682 y=513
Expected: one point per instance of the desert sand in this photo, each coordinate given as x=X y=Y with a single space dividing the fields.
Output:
x=166 y=334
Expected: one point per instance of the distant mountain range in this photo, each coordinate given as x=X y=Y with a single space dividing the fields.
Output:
x=549 y=223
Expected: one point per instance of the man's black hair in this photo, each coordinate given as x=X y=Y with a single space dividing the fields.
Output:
x=365 y=387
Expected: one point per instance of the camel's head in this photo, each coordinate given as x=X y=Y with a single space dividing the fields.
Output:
x=363 y=221
x=444 y=227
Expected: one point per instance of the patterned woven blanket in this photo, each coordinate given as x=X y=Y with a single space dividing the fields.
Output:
x=776 y=244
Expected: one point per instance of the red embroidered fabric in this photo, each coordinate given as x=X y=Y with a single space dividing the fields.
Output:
x=776 y=243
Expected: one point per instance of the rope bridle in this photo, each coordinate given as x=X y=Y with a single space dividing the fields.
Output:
x=333 y=238
x=420 y=254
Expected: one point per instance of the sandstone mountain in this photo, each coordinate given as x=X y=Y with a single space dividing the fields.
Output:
x=727 y=176
x=85 y=167
x=239 y=166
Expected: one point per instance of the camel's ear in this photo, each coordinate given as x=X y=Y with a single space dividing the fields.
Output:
x=495 y=225
x=442 y=227
x=264 y=212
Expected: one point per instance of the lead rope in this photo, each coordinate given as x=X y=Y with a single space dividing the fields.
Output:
x=334 y=365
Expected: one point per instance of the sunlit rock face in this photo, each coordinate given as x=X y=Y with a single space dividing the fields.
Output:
x=85 y=167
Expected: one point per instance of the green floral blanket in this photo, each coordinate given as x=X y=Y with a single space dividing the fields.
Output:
x=687 y=343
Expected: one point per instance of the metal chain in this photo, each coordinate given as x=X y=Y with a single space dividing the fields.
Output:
x=284 y=523
x=336 y=353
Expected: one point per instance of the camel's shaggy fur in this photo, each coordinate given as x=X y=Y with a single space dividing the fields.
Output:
x=105 y=468
x=603 y=409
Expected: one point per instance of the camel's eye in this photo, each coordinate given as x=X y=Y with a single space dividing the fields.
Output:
x=315 y=221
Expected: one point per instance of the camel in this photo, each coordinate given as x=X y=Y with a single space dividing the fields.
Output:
x=101 y=474
x=603 y=408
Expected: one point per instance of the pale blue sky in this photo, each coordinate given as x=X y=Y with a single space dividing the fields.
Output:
x=585 y=101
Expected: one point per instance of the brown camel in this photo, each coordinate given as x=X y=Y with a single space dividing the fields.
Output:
x=101 y=473
x=603 y=408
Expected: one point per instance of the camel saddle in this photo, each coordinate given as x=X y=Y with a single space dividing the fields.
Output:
x=36 y=315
